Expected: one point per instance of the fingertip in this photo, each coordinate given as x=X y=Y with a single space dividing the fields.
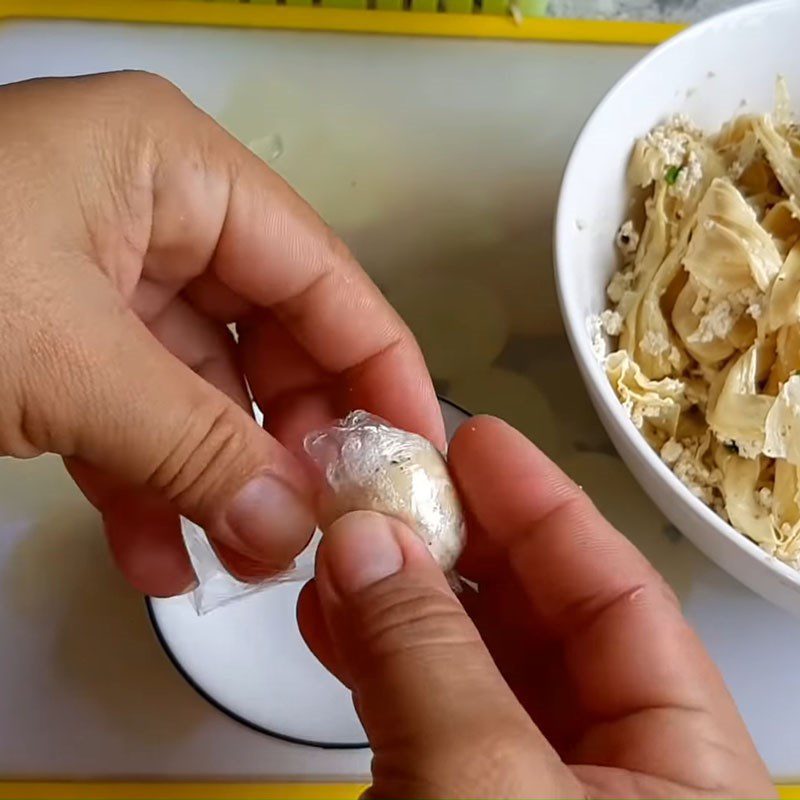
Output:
x=483 y=433
x=505 y=481
x=363 y=548
x=244 y=568
x=267 y=521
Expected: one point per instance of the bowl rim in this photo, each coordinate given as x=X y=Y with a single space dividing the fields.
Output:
x=575 y=323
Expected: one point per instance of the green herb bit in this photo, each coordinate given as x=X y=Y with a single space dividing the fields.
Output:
x=672 y=175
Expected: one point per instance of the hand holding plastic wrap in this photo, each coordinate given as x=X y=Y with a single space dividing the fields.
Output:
x=367 y=465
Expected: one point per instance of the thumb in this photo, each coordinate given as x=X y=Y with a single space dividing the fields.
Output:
x=130 y=408
x=441 y=720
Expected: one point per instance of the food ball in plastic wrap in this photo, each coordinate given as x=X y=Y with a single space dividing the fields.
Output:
x=371 y=466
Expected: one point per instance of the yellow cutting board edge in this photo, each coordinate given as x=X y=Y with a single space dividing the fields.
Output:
x=251 y=15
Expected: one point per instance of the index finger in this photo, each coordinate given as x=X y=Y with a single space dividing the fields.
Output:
x=277 y=253
x=240 y=241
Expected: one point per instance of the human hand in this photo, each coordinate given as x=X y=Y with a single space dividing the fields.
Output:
x=132 y=229
x=576 y=676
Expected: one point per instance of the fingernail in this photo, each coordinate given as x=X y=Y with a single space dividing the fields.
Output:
x=360 y=549
x=268 y=520
x=191 y=587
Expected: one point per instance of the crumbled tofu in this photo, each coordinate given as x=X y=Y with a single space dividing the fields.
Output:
x=597 y=337
x=671 y=451
x=611 y=322
x=682 y=122
x=640 y=412
x=669 y=144
x=719 y=315
x=672 y=141
x=690 y=175
x=736 y=169
x=619 y=285
x=749 y=449
x=716 y=323
x=755 y=310
x=655 y=343
x=764 y=497
x=627 y=238
x=691 y=469
x=745 y=297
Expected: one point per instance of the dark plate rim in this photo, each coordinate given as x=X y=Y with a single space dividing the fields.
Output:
x=285 y=737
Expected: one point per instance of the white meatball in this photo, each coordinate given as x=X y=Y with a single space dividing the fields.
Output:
x=371 y=466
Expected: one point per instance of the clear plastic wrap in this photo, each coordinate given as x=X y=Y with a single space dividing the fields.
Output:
x=367 y=465
x=370 y=466
x=217 y=587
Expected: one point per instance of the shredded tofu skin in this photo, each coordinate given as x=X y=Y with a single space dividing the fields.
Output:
x=704 y=316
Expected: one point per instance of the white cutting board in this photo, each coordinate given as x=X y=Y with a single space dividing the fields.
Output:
x=434 y=157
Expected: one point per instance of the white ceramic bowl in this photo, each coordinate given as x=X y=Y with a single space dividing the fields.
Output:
x=710 y=72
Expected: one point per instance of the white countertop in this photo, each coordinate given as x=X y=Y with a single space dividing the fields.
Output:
x=439 y=162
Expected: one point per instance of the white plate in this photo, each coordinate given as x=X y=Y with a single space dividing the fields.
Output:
x=249 y=659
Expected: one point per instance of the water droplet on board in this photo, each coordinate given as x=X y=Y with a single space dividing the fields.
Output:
x=268 y=148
